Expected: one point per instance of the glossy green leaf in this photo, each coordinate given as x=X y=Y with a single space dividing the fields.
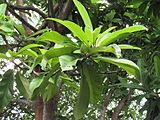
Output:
x=29 y=52
x=129 y=66
x=28 y=47
x=23 y=85
x=34 y=85
x=103 y=35
x=6 y=88
x=96 y=33
x=55 y=37
x=39 y=32
x=20 y=29
x=67 y=62
x=3 y=9
x=57 y=52
x=123 y=46
x=83 y=14
x=74 y=28
x=110 y=38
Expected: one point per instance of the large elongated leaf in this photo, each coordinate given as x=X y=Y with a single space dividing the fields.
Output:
x=129 y=66
x=55 y=37
x=74 y=28
x=94 y=79
x=56 y=52
x=22 y=85
x=83 y=99
x=110 y=38
x=6 y=88
x=83 y=14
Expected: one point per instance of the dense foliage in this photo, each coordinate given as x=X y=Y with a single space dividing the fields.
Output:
x=75 y=59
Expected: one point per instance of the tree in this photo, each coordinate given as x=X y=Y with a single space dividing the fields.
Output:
x=77 y=59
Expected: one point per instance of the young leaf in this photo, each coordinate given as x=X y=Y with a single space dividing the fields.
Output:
x=96 y=33
x=129 y=66
x=6 y=88
x=74 y=28
x=83 y=14
x=108 y=39
x=3 y=56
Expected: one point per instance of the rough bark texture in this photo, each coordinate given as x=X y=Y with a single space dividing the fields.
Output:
x=105 y=104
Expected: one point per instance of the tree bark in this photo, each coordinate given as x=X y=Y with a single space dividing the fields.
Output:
x=38 y=108
x=51 y=106
x=105 y=104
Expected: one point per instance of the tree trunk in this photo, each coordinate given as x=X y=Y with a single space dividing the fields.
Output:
x=38 y=108
x=50 y=107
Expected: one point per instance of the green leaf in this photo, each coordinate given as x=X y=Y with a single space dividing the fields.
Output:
x=110 y=38
x=103 y=35
x=89 y=36
x=3 y=56
x=55 y=37
x=56 y=52
x=73 y=28
x=28 y=47
x=23 y=85
x=129 y=66
x=29 y=52
x=37 y=61
x=94 y=79
x=123 y=46
x=157 y=65
x=83 y=14
x=83 y=99
x=20 y=29
x=67 y=62
x=34 y=85
x=3 y=9
x=96 y=33
x=6 y=88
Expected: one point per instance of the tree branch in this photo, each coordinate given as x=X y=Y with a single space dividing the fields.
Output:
x=105 y=104
x=21 y=19
x=120 y=106
x=28 y=8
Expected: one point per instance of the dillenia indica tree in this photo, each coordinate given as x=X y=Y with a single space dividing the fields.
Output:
x=84 y=51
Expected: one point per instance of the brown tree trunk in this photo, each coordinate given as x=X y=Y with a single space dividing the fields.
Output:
x=38 y=108
x=50 y=107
